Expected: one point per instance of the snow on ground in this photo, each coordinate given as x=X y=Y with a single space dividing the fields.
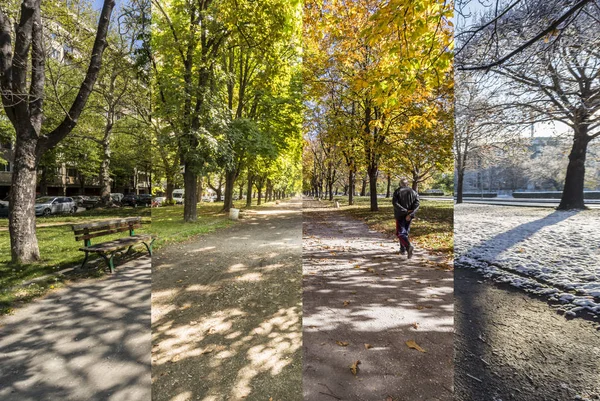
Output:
x=544 y=251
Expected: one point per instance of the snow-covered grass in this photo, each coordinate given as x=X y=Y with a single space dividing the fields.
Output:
x=544 y=251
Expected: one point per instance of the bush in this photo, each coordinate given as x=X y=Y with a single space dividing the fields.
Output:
x=168 y=202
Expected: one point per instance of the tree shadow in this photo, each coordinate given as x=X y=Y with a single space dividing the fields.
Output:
x=228 y=312
x=358 y=291
x=90 y=341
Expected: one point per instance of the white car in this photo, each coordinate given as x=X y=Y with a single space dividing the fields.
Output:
x=47 y=205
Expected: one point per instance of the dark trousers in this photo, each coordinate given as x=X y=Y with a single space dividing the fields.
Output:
x=402 y=231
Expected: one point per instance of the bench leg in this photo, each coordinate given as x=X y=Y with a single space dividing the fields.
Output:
x=109 y=261
x=129 y=250
x=87 y=255
x=149 y=247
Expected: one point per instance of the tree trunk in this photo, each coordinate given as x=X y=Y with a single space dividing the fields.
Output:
x=259 y=190
x=363 y=190
x=572 y=196
x=460 y=178
x=241 y=190
x=351 y=188
x=199 y=189
x=23 y=241
x=190 y=201
x=372 y=170
x=230 y=177
x=389 y=186
x=105 y=171
x=249 y=191
x=170 y=188
x=44 y=182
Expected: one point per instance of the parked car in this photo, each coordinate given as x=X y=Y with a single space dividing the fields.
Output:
x=3 y=208
x=129 y=200
x=178 y=196
x=117 y=197
x=78 y=199
x=156 y=202
x=91 y=202
x=47 y=205
x=144 y=200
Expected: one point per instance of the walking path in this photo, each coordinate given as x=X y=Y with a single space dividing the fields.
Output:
x=89 y=341
x=512 y=346
x=226 y=312
x=365 y=302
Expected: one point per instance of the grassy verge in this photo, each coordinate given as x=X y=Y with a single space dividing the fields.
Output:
x=58 y=250
x=168 y=225
x=431 y=230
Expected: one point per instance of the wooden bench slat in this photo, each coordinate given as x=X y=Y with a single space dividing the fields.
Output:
x=104 y=222
x=108 y=227
x=120 y=243
x=101 y=234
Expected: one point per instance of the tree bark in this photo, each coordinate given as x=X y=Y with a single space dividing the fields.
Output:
x=230 y=177
x=351 y=188
x=389 y=186
x=24 y=245
x=572 y=196
x=249 y=191
x=190 y=184
x=373 y=186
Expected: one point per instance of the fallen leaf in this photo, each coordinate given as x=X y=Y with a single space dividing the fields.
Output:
x=354 y=368
x=414 y=345
x=346 y=303
x=389 y=398
x=357 y=267
x=342 y=343
x=367 y=346
x=415 y=325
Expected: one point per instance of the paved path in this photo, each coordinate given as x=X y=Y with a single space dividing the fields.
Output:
x=89 y=341
x=511 y=346
x=226 y=312
x=358 y=290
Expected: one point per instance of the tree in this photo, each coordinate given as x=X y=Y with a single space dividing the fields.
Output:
x=557 y=79
x=23 y=101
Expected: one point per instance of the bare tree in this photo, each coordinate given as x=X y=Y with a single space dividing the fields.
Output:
x=23 y=101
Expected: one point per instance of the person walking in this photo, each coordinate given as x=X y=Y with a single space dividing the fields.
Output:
x=406 y=204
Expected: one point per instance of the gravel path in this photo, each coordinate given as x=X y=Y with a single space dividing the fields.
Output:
x=226 y=312
x=358 y=291
x=511 y=346
x=89 y=341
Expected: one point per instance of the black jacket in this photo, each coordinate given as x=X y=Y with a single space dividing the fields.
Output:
x=405 y=199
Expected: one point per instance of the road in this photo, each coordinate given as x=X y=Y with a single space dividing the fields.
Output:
x=363 y=302
x=89 y=341
x=226 y=311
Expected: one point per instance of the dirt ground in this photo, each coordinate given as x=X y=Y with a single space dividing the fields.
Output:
x=89 y=341
x=226 y=312
x=514 y=346
x=363 y=302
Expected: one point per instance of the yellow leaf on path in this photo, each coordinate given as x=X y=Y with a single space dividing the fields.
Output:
x=342 y=343
x=357 y=267
x=346 y=303
x=367 y=346
x=414 y=345
x=354 y=368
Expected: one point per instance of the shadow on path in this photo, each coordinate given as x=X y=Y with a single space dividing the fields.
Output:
x=227 y=312
x=89 y=341
x=358 y=290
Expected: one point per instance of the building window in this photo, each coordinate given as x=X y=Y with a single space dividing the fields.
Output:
x=5 y=167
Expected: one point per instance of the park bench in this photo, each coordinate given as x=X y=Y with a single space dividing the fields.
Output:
x=107 y=250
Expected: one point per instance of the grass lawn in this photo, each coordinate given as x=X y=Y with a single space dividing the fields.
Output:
x=168 y=225
x=58 y=250
x=432 y=228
